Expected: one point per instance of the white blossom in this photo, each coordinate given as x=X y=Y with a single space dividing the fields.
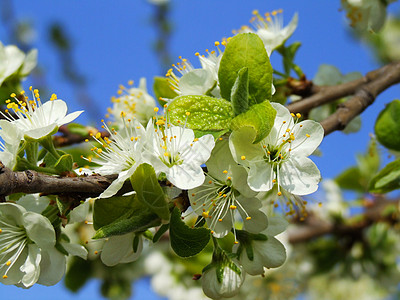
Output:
x=11 y=136
x=225 y=192
x=27 y=248
x=120 y=249
x=280 y=159
x=35 y=119
x=174 y=151
x=133 y=102
x=270 y=29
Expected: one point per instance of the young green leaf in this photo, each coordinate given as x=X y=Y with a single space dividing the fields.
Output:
x=260 y=117
x=163 y=89
x=387 y=180
x=64 y=163
x=148 y=190
x=387 y=126
x=206 y=113
x=240 y=92
x=186 y=241
x=246 y=50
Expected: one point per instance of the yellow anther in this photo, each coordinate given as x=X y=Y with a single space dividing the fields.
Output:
x=229 y=178
x=233 y=207
x=319 y=204
x=166 y=154
x=5 y=276
x=216 y=43
x=292 y=114
x=220 y=138
x=123 y=114
x=96 y=252
x=99 y=151
x=279 y=193
x=243 y=157
x=298 y=115
x=248 y=218
x=225 y=171
x=236 y=242
x=204 y=214
x=1 y=230
x=155 y=109
x=13 y=95
x=219 y=220
x=255 y=12
x=224 y=195
x=130 y=82
x=210 y=182
x=188 y=113
x=98 y=135
x=307 y=135
x=193 y=195
x=273 y=180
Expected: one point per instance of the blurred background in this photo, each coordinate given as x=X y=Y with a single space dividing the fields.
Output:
x=88 y=48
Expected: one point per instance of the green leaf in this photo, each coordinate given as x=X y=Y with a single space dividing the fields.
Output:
x=206 y=113
x=108 y=210
x=216 y=134
x=387 y=126
x=288 y=54
x=163 y=229
x=79 y=272
x=148 y=190
x=240 y=92
x=351 y=179
x=260 y=117
x=139 y=221
x=246 y=50
x=186 y=241
x=163 y=89
x=387 y=180
x=64 y=163
x=78 y=129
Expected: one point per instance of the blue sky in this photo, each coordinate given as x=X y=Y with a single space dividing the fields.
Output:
x=113 y=43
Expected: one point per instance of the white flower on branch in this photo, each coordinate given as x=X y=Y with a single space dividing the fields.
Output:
x=270 y=29
x=121 y=154
x=11 y=136
x=27 y=248
x=224 y=193
x=35 y=119
x=175 y=151
x=280 y=159
x=135 y=102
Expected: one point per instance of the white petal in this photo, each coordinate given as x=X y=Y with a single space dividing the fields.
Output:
x=52 y=267
x=272 y=252
x=258 y=221
x=30 y=62
x=116 y=248
x=54 y=110
x=303 y=145
x=222 y=228
x=131 y=255
x=34 y=203
x=69 y=118
x=15 y=59
x=201 y=150
x=31 y=266
x=276 y=225
x=260 y=177
x=196 y=82
x=185 y=176
x=13 y=212
x=252 y=267
x=80 y=213
x=40 y=132
x=75 y=249
x=241 y=144
x=10 y=133
x=39 y=230
x=299 y=176
x=117 y=184
x=184 y=136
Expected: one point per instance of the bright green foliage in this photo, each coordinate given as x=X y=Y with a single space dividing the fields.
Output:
x=240 y=92
x=120 y=215
x=186 y=241
x=246 y=50
x=162 y=88
x=260 y=117
x=387 y=180
x=148 y=190
x=64 y=163
x=206 y=113
x=387 y=126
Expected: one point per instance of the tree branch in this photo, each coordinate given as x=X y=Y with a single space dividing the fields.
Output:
x=31 y=182
x=365 y=90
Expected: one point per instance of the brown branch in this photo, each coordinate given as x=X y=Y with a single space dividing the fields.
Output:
x=31 y=182
x=373 y=83
x=364 y=97
x=314 y=227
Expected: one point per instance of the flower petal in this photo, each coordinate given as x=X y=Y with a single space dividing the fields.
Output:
x=258 y=221
x=33 y=202
x=308 y=137
x=201 y=150
x=69 y=118
x=272 y=252
x=31 y=266
x=260 y=177
x=276 y=225
x=186 y=176
x=196 y=82
x=39 y=230
x=52 y=267
x=116 y=248
x=75 y=249
x=299 y=176
x=54 y=110
x=241 y=144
